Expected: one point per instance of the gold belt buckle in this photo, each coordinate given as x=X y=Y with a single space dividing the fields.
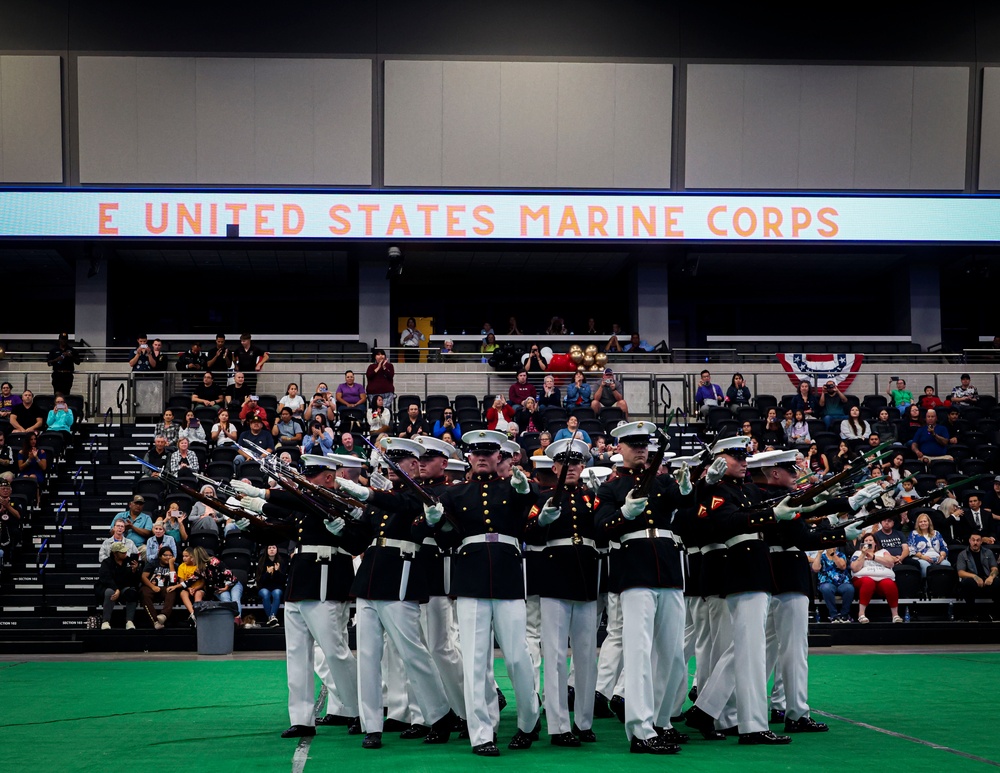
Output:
x=651 y=533
x=381 y=542
x=577 y=540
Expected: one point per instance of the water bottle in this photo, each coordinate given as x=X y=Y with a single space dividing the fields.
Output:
x=951 y=611
x=906 y=615
x=445 y=332
x=816 y=616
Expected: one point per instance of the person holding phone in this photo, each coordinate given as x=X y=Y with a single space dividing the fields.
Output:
x=142 y=359
x=609 y=395
x=873 y=573
x=192 y=429
x=901 y=396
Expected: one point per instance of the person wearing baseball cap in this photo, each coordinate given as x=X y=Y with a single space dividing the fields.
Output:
x=118 y=583
x=139 y=526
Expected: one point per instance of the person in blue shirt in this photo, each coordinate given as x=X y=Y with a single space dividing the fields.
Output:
x=140 y=525
x=637 y=344
x=578 y=394
x=572 y=429
x=447 y=423
x=60 y=418
x=930 y=442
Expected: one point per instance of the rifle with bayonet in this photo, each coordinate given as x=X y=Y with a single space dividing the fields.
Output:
x=560 y=489
x=653 y=463
x=878 y=516
x=858 y=463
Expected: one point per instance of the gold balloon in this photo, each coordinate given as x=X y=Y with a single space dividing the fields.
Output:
x=576 y=357
x=575 y=348
x=595 y=366
x=590 y=350
x=601 y=359
x=588 y=360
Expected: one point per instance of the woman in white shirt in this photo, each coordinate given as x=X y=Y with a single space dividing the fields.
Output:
x=378 y=416
x=854 y=428
x=872 y=570
x=293 y=400
x=224 y=431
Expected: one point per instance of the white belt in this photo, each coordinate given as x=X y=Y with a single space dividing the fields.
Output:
x=779 y=549
x=713 y=546
x=612 y=545
x=755 y=537
x=492 y=537
x=402 y=545
x=563 y=543
x=322 y=551
x=649 y=534
x=430 y=542
x=694 y=551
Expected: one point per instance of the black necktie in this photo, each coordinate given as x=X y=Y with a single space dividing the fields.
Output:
x=979 y=524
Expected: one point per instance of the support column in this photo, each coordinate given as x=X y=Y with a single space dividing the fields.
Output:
x=650 y=299
x=373 y=301
x=925 y=303
x=91 y=316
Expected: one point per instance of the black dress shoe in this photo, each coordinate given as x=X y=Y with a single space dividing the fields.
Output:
x=693 y=694
x=699 y=719
x=617 y=706
x=672 y=734
x=394 y=726
x=521 y=740
x=565 y=739
x=415 y=731
x=730 y=732
x=462 y=728
x=440 y=731
x=536 y=730
x=765 y=738
x=299 y=731
x=487 y=749
x=372 y=741
x=333 y=720
x=354 y=726
x=777 y=716
x=601 y=708
x=653 y=746
x=501 y=699
x=587 y=736
x=570 y=697
x=805 y=725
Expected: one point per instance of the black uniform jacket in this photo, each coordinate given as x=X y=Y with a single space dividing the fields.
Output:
x=391 y=515
x=567 y=571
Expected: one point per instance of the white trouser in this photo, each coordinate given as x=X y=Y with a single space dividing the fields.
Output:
x=790 y=616
x=609 y=662
x=777 y=697
x=400 y=621
x=716 y=692
x=695 y=644
x=397 y=695
x=749 y=611
x=437 y=623
x=533 y=617
x=323 y=623
x=653 y=632
x=477 y=620
x=577 y=622
x=602 y=599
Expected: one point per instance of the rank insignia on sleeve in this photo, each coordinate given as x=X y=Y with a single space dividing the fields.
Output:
x=534 y=512
x=597 y=502
x=717 y=502
x=702 y=511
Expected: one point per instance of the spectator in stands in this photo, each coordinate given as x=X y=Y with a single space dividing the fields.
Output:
x=27 y=417
x=797 y=432
x=738 y=394
x=979 y=520
x=447 y=423
x=834 y=577
x=223 y=431
x=156 y=347
x=591 y=327
x=118 y=581
x=854 y=429
x=831 y=404
x=410 y=339
x=446 y=350
x=293 y=401
x=159 y=453
x=885 y=429
x=192 y=430
x=322 y=404
x=414 y=424
x=249 y=359
x=487 y=329
x=143 y=358
x=926 y=545
x=60 y=418
x=350 y=394
x=8 y=457
x=893 y=469
x=892 y=540
x=348 y=447
x=544 y=441
x=977 y=578
x=614 y=343
x=930 y=400
x=774 y=433
x=965 y=395
x=118 y=529
x=578 y=394
x=182 y=458
x=550 y=397
x=873 y=573
x=8 y=400
x=237 y=392
x=10 y=520
x=912 y=421
x=572 y=430
x=173 y=523
x=271 y=571
x=257 y=435
x=224 y=585
x=220 y=359
x=637 y=344
x=951 y=424
x=992 y=499
x=192 y=363
x=841 y=458
x=499 y=415
x=252 y=408
x=609 y=395
x=32 y=461
x=138 y=525
x=601 y=452
x=535 y=363
x=378 y=416
x=804 y=400
x=379 y=378
x=529 y=418
x=209 y=393
x=930 y=442
x=949 y=522
x=513 y=329
x=708 y=395
x=159 y=540
x=817 y=461
x=521 y=389
x=190 y=579
x=62 y=359
x=166 y=427
x=205 y=519
x=320 y=439
x=157 y=576
x=287 y=430
x=449 y=438
x=901 y=397
x=489 y=346
x=557 y=327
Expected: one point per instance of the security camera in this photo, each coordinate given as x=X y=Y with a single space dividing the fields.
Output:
x=395 y=253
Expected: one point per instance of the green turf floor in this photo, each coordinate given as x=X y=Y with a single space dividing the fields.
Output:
x=223 y=715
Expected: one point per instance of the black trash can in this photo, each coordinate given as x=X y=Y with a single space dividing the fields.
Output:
x=216 y=625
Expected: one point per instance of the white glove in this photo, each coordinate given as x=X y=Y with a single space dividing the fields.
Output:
x=633 y=506
x=833 y=520
x=785 y=512
x=334 y=526
x=852 y=531
x=356 y=490
x=242 y=524
x=253 y=505
x=519 y=482
x=549 y=513
x=869 y=493
x=356 y=513
x=683 y=478
x=246 y=488
x=434 y=513
x=716 y=472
